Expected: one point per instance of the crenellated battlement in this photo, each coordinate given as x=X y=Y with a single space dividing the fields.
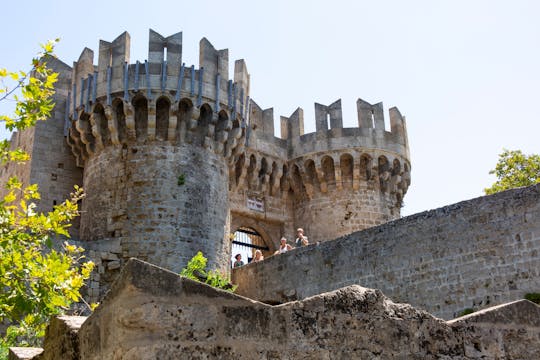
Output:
x=386 y=152
x=370 y=132
x=163 y=72
x=161 y=99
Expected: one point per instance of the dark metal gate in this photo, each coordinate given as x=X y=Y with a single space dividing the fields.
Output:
x=246 y=241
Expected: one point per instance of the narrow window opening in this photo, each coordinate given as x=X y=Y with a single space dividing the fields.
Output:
x=328 y=121
x=60 y=165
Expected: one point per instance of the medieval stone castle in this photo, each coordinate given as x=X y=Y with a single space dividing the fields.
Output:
x=176 y=159
x=173 y=158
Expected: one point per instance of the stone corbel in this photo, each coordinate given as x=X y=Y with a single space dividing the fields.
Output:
x=112 y=124
x=95 y=120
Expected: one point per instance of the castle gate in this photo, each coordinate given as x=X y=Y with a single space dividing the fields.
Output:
x=245 y=241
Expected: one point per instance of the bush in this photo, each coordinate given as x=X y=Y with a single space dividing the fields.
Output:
x=196 y=270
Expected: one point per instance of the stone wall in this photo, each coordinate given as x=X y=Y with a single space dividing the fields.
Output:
x=152 y=313
x=134 y=193
x=51 y=164
x=472 y=254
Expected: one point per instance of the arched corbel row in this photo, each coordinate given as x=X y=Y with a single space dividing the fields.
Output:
x=136 y=118
x=405 y=178
x=223 y=126
x=75 y=148
x=75 y=138
x=233 y=142
x=85 y=132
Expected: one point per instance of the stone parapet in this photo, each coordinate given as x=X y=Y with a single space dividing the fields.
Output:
x=472 y=254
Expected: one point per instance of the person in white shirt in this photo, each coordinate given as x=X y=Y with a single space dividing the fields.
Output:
x=283 y=246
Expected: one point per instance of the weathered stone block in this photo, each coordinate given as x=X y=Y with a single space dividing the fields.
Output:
x=108 y=256
x=25 y=353
x=112 y=265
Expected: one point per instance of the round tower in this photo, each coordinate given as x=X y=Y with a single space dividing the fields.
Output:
x=155 y=140
x=332 y=182
x=347 y=179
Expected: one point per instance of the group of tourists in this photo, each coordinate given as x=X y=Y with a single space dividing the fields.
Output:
x=301 y=240
x=256 y=258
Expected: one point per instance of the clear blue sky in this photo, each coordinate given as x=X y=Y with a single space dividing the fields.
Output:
x=466 y=74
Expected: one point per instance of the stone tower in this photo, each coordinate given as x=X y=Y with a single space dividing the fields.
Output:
x=332 y=182
x=155 y=140
x=175 y=159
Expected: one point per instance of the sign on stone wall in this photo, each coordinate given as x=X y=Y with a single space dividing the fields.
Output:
x=255 y=204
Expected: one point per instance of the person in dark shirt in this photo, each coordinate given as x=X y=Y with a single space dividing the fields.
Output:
x=301 y=239
x=238 y=261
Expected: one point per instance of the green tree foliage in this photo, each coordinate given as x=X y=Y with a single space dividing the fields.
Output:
x=196 y=270
x=40 y=276
x=515 y=169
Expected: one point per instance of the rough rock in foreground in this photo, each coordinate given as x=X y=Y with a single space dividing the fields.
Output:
x=152 y=313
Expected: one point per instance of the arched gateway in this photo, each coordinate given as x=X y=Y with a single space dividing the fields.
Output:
x=246 y=241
